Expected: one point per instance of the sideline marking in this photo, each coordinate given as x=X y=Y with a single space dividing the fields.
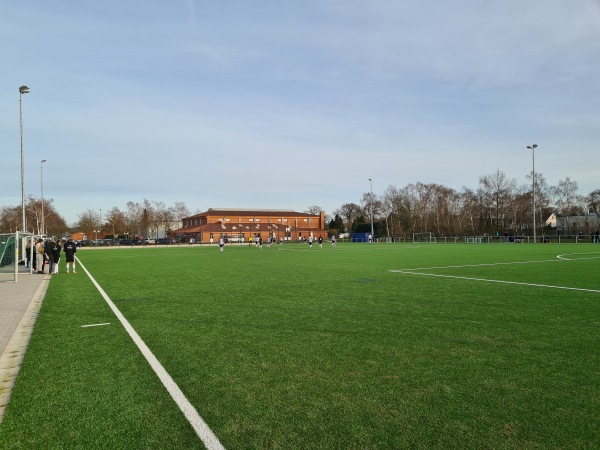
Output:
x=95 y=324
x=210 y=440
x=561 y=258
x=482 y=265
x=496 y=281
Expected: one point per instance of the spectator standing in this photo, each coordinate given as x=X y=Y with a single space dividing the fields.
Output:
x=48 y=254
x=56 y=248
x=28 y=253
x=39 y=256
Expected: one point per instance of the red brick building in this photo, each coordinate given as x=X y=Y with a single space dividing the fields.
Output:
x=239 y=225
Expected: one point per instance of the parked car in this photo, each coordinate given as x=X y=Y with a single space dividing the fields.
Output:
x=149 y=241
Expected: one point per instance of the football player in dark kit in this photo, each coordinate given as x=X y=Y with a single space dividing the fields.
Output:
x=70 y=248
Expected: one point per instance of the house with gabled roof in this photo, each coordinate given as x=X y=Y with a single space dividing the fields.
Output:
x=241 y=225
x=574 y=225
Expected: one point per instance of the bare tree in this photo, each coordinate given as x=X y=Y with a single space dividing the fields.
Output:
x=180 y=211
x=158 y=212
x=134 y=218
x=168 y=217
x=593 y=201
x=89 y=221
x=495 y=193
x=349 y=212
x=116 y=221
x=566 y=199
x=314 y=210
x=10 y=219
x=470 y=211
x=389 y=207
x=54 y=223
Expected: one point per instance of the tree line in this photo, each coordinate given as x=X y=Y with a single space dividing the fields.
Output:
x=498 y=204
x=137 y=219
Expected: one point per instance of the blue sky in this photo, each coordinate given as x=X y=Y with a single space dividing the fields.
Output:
x=288 y=104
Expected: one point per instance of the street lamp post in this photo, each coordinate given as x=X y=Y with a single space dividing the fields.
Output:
x=371 y=207
x=533 y=147
x=42 y=189
x=22 y=90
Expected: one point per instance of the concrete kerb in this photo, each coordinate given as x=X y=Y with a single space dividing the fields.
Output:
x=18 y=297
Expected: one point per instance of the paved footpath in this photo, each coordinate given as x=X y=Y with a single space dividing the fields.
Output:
x=20 y=303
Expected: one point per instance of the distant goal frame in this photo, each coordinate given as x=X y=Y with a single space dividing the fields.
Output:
x=425 y=238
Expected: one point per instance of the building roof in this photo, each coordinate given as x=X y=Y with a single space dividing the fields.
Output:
x=252 y=212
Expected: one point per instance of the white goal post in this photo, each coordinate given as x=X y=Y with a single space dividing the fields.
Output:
x=424 y=237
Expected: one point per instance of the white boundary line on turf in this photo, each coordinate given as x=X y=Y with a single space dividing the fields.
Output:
x=408 y=272
x=210 y=440
x=95 y=325
x=561 y=258
x=564 y=256
x=482 y=265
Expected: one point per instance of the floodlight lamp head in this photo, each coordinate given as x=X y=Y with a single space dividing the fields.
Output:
x=23 y=89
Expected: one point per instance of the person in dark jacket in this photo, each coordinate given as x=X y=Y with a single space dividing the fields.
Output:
x=55 y=256
x=70 y=249
x=48 y=245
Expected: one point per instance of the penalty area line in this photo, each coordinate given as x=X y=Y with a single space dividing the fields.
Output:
x=95 y=325
x=203 y=431
x=549 y=286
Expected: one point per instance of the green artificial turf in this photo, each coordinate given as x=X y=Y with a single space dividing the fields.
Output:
x=346 y=347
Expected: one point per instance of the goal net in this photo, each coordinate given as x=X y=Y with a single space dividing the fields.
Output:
x=424 y=237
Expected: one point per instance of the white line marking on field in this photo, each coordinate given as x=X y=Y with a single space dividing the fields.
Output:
x=408 y=272
x=203 y=431
x=486 y=264
x=564 y=257
x=561 y=258
x=95 y=324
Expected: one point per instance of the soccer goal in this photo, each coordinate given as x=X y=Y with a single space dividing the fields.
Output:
x=424 y=237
